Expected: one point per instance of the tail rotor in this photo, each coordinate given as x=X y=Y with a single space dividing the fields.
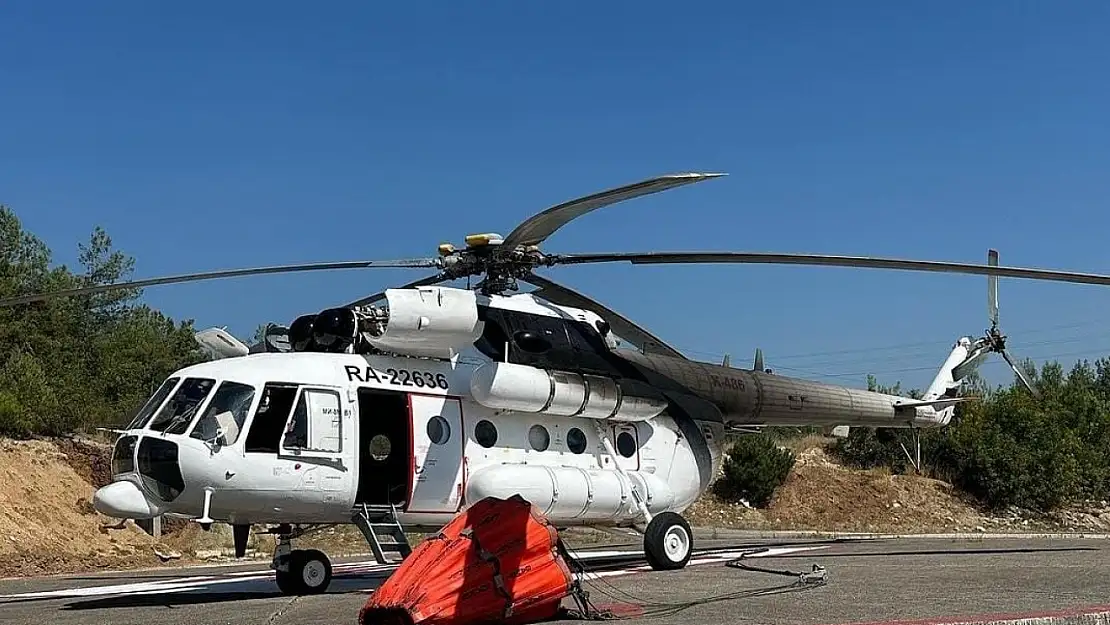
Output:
x=995 y=340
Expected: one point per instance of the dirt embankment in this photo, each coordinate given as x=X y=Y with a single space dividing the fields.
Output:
x=821 y=495
x=48 y=524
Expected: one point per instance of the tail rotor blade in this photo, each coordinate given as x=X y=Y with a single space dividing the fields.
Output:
x=1020 y=374
x=992 y=289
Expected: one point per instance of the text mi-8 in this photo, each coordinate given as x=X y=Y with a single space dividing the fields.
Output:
x=399 y=416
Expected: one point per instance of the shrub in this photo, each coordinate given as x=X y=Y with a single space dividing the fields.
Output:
x=870 y=448
x=754 y=468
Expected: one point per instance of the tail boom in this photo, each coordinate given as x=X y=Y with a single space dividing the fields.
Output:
x=753 y=398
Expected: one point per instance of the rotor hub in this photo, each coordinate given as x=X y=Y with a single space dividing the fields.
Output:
x=500 y=266
x=996 y=340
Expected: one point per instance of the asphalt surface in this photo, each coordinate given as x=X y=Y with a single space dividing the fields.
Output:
x=867 y=581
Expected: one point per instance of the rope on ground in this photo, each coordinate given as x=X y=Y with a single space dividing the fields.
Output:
x=818 y=576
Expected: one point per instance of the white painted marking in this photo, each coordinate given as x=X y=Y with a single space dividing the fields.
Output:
x=184 y=584
x=712 y=558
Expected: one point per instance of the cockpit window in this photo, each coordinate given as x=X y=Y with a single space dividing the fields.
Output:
x=175 y=416
x=316 y=424
x=152 y=404
x=264 y=433
x=226 y=413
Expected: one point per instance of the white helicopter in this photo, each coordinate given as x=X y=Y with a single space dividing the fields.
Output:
x=400 y=416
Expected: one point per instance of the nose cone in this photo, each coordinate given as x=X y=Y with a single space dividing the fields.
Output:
x=124 y=500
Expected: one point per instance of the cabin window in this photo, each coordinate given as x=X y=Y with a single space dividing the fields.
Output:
x=576 y=440
x=225 y=416
x=539 y=438
x=316 y=424
x=485 y=433
x=155 y=402
x=380 y=447
x=439 y=431
x=175 y=416
x=626 y=445
x=264 y=434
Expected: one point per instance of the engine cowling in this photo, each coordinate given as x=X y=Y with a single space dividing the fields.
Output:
x=437 y=322
x=509 y=386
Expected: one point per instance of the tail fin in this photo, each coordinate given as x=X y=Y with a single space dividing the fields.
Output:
x=948 y=380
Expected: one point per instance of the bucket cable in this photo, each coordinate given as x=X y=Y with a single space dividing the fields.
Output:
x=816 y=577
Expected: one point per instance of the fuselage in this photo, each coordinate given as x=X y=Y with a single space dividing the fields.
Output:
x=382 y=430
x=497 y=397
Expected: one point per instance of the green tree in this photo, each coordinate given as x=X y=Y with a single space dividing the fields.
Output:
x=866 y=448
x=74 y=363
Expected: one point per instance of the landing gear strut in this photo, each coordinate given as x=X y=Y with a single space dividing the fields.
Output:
x=668 y=542
x=299 y=571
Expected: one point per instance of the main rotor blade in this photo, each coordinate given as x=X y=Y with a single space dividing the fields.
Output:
x=370 y=299
x=226 y=273
x=621 y=325
x=833 y=261
x=992 y=289
x=537 y=228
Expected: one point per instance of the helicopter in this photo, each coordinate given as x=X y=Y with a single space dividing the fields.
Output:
x=402 y=408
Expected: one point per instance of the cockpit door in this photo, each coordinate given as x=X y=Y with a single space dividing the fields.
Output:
x=317 y=436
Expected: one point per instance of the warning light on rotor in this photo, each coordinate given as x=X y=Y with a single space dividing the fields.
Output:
x=479 y=240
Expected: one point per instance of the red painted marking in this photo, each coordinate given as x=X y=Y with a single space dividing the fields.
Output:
x=411 y=479
x=989 y=618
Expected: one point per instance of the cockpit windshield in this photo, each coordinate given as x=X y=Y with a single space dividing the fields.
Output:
x=152 y=404
x=226 y=413
x=175 y=416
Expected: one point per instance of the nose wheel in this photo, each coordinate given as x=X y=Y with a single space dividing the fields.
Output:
x=299 y=571
x=309 y=573
x=668 y=542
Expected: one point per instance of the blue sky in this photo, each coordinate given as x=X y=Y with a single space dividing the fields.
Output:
x=214 y=135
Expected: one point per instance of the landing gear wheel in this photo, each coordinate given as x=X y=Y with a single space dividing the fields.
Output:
x=286 y=582
x=315 y=570
x=668 y=542
x=309 y=573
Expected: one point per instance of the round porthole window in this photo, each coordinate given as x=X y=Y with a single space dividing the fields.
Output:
x=576 y=440
x=626 y=444
x=539 y=438
x=380 y=446
x=485 y=433
x=439 y=431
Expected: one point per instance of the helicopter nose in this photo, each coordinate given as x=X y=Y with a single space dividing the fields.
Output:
x=124 y=500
